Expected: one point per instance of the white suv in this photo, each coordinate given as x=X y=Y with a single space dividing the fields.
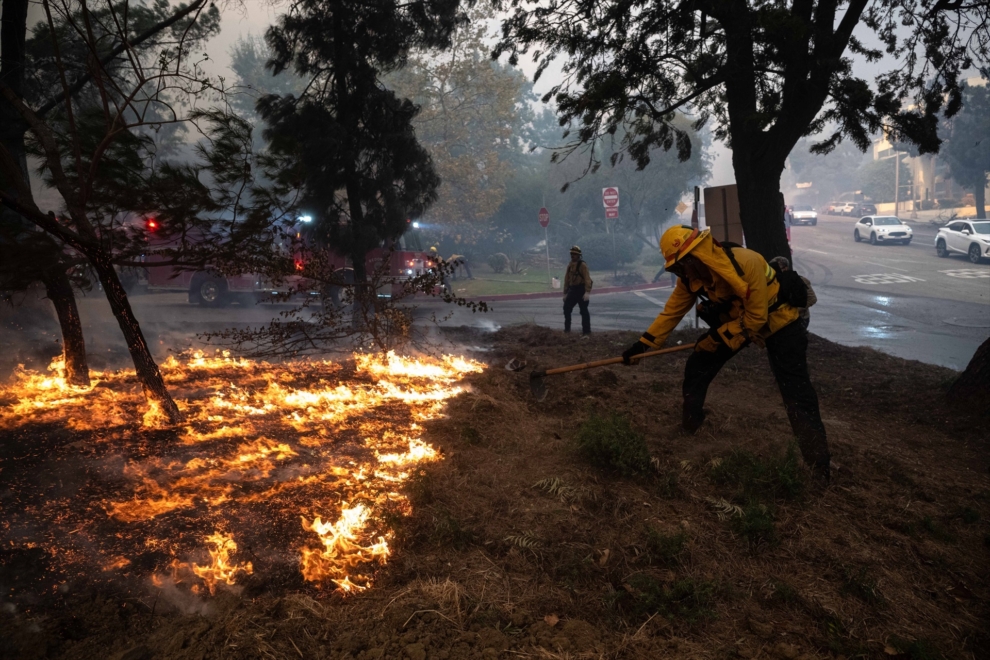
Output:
x=969 y=237
x=882 y=229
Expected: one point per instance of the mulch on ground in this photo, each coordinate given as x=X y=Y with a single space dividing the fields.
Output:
x=718 y=545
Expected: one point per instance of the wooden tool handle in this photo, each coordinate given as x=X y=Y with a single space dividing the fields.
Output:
x=603 y=363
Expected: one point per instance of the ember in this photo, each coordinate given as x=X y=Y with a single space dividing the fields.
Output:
x=263 y=445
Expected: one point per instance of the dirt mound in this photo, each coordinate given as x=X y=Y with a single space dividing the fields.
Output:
x=713 y=545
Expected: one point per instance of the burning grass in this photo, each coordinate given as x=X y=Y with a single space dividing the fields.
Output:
x=715 y=545
x=268 y=452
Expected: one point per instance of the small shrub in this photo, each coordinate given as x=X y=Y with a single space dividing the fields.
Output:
x=611 y=443
x=653 y=258
x=756 y=524
x=644 y=595
x=664 y=548
x=498 y=262
x=597 y=250
x=775 y=477
x=668 y=485
x=517 y=267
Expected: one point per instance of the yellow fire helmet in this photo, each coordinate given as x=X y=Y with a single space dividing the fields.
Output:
x=678 y=241
x=575 y=249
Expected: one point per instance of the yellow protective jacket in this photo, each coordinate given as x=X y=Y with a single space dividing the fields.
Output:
x=749 y=296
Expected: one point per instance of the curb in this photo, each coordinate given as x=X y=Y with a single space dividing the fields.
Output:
x=559 y=294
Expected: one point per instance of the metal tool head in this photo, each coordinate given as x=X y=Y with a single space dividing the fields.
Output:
x=537 y=385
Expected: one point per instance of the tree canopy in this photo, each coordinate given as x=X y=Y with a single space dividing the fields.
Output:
x=967 y=147
x=763 y=73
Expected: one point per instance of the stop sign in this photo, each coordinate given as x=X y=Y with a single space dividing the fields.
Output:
x=610 y=197
x=544 y=217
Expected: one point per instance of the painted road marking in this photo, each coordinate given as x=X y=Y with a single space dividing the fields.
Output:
x=815 y=251
x=967 y=273
x=650 y=298
x=873 y=263
x=885 y=278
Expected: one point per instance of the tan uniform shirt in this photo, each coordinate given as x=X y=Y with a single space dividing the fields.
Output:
x=576 y=275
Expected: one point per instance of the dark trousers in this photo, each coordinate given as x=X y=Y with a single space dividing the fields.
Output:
x=787 y=351
x=575 y=296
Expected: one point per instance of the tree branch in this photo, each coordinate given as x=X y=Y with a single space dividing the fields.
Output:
x=120 y=48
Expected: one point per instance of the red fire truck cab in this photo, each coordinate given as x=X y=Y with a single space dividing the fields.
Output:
x=212 y=289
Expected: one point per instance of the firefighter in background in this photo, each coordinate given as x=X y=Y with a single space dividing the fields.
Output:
x=577 y=291
x=743 y=302
x=435 y=263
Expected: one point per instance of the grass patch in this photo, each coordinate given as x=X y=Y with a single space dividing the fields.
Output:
x=777 y=476
x=668 y=485
x=862 y=585
x=643 y=596
x=664 y=548
x=611 y=443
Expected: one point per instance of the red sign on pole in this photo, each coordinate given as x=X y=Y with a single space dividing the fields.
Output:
x=610 y=197
x=611 y=213
x=544 y=217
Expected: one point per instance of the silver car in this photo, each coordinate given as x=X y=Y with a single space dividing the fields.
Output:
x=882 y=229
x=969 y=237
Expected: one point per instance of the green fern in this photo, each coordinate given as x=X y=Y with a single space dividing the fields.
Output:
x=526 y=540
x=724 y=509
x=556 y=487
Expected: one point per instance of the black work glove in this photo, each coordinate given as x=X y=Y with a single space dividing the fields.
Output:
x=636 y=349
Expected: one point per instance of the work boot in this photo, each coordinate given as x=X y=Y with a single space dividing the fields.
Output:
x=692 y=420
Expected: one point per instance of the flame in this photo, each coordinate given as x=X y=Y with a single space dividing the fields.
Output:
x=263 y=445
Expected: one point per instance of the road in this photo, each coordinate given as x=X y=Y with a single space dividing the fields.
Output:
x=902 y=300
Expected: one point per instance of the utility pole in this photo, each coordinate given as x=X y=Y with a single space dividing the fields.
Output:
x=897 y=179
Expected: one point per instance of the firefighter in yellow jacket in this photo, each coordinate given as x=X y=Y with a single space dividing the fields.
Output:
x=740 y=297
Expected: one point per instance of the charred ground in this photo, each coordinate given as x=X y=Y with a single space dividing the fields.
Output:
x=531 y=540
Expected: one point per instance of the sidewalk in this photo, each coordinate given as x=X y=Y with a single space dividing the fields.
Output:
x=560 y=294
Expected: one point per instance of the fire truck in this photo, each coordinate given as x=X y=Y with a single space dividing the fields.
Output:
x=213 y=289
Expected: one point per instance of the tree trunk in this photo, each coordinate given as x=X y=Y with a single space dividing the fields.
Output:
x=144 y=364
x=972 y=388
x=760 y=207
x=73 y=345
x=980 y=198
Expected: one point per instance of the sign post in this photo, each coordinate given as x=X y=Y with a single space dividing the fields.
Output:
x=610 y=200
x=544 y=217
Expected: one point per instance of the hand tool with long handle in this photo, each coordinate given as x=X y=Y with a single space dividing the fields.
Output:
x=539 y=388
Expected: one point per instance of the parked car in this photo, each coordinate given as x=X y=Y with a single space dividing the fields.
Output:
x=804 y=215
x=971 y=238
x=833 y=208
x=862 y=208
x=882 y=229
x=846 y=208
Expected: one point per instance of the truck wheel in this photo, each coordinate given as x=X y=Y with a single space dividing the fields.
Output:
x=212 y=292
